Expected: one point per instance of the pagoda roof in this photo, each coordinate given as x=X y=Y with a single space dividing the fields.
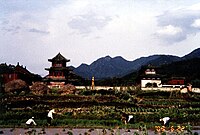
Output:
x=59 y=57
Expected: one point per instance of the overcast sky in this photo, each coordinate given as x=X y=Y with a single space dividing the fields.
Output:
x=33 y=31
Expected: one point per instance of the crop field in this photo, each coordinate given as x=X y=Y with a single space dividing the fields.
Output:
x=92 y=109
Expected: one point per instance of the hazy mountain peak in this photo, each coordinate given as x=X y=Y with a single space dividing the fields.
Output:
x=108 y=67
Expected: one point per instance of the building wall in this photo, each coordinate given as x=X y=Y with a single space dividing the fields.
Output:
x=144 y=82
x=176 y=82
x=9 y=77
x=56 y=84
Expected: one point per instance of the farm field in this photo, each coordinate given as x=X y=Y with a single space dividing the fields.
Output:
x=102 y=109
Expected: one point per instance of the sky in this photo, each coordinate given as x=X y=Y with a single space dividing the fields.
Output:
x=33 y=31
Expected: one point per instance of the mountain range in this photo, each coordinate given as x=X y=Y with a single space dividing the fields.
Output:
x=107 y=67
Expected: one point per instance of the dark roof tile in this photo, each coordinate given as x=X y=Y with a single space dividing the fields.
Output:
x=59 y=57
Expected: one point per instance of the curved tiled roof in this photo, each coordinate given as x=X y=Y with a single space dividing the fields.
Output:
x=59 y=57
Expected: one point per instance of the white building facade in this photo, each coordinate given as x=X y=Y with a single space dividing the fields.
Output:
x=150 y=79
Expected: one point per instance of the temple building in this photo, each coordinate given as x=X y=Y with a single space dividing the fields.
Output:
x=59 y=73
x=150 y=78
x=11 y=72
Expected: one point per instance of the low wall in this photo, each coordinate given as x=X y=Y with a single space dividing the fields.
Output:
x=166 y=89
x=107 y=87
x=196 y=90
x=184 y=90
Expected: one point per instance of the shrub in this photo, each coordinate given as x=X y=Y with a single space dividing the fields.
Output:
x=67 y=89
x=16 y=86
x=39 y=88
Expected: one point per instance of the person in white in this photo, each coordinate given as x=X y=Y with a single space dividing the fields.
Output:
x=50 y=116
x=129 y=117
x=30 y=122
x=126 y=118
x=166 y=121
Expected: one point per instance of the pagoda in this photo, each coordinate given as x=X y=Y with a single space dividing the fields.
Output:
x=58 y=72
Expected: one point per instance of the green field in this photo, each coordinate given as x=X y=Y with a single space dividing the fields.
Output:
x=102 y=108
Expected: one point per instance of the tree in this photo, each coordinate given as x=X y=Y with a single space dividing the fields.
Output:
x=16 y=87
x=148 y=85
x=39 y=88
x=155 y=85
x=67 y=89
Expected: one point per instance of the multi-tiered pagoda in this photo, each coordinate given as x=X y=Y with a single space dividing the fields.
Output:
x=58 y=72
